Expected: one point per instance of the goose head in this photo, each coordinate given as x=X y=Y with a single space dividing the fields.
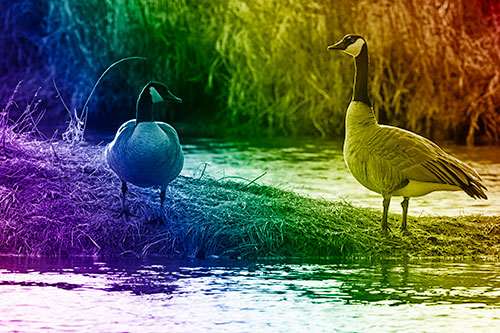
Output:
x=350 y=44
x=153 y=92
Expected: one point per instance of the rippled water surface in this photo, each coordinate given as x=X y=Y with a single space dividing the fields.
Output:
x=159 y=295
x=317 y=168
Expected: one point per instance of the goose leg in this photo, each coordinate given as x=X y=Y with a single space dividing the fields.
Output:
x=404 y=204
x=125 y=211
x=124 y=192
x=159 y=217
x=386 y=203
x=162 y=197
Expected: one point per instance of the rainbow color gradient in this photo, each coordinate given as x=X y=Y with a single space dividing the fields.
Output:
x=246 y=71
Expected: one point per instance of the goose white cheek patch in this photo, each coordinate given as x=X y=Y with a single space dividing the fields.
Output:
x=155 y=95
x=355 y=48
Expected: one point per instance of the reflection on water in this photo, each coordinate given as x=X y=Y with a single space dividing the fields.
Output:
x=81 y=294
x=317 y=168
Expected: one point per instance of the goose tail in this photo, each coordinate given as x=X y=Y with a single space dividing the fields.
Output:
x=472 y=185
x=466 y=177
x=475 y=189
x=454 y=172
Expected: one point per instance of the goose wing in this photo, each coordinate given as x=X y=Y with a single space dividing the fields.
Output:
x=420 y=159
x=173 y=149
x=168 y=130
x=125 y=126
x=119 y=139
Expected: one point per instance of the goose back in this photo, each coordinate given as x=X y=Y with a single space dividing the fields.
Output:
x=388 y=159
x=146 y=154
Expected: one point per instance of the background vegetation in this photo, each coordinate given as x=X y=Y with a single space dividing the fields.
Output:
x=260 y=67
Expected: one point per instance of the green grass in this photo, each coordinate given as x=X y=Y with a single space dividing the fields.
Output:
x=59 y=198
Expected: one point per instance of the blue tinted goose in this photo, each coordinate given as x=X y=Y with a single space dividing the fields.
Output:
x=390 y=160
x=145 y=152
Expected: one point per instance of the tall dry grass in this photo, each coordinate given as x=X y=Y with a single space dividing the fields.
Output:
x=280 y=77
x=436 y=66
x=171 y=35
x=253 y=67
x=260 y=67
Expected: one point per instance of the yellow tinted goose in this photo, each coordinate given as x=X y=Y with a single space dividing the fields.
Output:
x=390 y=160
x=145 y=152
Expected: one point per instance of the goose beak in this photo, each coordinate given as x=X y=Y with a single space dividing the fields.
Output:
x=337 y=46
x=174 y=98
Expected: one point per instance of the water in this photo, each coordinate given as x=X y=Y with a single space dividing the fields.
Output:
x=316 y=168
x=160 y=295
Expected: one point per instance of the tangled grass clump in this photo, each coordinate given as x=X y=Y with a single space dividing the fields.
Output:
x=60 y=198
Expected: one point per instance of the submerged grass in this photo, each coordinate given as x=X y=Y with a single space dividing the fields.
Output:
x=60 y=198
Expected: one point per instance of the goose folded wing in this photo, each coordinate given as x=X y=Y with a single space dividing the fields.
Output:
x=422 y=160
x=174 y=158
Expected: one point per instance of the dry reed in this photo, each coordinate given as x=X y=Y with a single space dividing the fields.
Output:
x=261 y=67
x=435 y=67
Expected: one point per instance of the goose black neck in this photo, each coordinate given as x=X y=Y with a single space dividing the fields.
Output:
x=360 y=92
x=144 y=108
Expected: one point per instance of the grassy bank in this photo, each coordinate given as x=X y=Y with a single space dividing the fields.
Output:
x=58 y=198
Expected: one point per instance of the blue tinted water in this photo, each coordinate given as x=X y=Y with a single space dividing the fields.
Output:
x=161 y=295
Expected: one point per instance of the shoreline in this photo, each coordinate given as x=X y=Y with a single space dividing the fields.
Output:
x=61 y=199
